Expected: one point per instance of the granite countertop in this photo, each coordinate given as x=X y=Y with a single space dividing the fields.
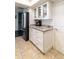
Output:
x=43 y=28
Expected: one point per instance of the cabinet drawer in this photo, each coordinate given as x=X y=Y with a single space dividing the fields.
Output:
x=39 y=44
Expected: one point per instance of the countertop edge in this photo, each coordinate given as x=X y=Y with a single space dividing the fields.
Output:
x=39 y=29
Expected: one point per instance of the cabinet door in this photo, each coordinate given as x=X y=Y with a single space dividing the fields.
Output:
x=39 y=39
x=39 y=12
x=32 y=35
x=48 y=40
x=44 y=10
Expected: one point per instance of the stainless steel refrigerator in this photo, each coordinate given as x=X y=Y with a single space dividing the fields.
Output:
x=23 y=25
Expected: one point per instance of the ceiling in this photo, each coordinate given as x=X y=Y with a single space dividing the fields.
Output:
x=30 y=3
x=27 y=2
x=19 y=5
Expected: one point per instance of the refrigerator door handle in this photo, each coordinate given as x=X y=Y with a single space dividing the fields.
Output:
x=22 y=20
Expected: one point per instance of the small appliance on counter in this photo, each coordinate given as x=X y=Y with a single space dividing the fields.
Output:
x=38 y=22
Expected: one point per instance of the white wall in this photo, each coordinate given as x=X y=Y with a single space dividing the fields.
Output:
x=58 y=15
x=58 y=23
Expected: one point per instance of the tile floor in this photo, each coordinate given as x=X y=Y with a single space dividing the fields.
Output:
x=26 y=50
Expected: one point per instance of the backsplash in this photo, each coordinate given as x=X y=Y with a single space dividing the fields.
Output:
x=58 y=24
x=47 y=22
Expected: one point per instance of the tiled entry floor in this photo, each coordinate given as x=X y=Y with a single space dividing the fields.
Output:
x=26 y=50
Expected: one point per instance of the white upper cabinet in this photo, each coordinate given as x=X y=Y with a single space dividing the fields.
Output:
x=44 y=11
x=39 y=12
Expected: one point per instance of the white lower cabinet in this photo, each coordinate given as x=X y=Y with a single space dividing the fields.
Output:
x=43 y=40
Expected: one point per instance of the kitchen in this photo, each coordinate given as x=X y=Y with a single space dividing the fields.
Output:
x=46 y=28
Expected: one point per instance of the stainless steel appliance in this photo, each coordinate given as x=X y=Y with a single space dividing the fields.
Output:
x=23 y=25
